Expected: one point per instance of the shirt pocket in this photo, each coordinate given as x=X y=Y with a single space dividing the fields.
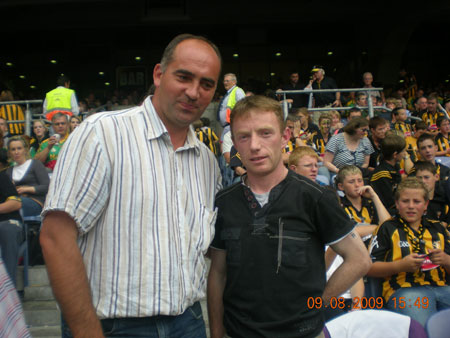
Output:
x=292 y=247
x=232 y=239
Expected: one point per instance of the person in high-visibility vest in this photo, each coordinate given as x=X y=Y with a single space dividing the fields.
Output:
x=233 y=95
x=62 y=99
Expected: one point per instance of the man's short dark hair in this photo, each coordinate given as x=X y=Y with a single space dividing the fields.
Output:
x=292 y=117
x=167 y=56
x=377 y=121
x=392 y=144
x=62 y=80
x=425 y=165
x=396 y=111
x=424 y=137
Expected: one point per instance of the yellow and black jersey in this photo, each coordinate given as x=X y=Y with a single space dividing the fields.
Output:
x=12 y=112
x=384 y=181
x=235 y=158
x=367 y=214
x=431 y=118
x=404 y=127
x=394 y=240
x=442 y=143
x=289 y=147
x=319 y=141
x=213 y=139
x=411 y=148
x=203 y=137
x=442 y=170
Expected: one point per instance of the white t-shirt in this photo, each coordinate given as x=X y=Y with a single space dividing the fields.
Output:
x=20 y=170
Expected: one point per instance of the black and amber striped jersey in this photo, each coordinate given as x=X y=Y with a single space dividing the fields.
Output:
x=13 y=112
x=393 y=241
x=384 y=181
x=319 y=142
x=367 y=214
x=212 y=138
x=411 y=148
x=431 y=118
x=404 y=127
x=442 y=142
x=289 y=147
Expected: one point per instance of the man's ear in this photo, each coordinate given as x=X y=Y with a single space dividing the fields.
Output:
x=285 y=136
x=157 y=73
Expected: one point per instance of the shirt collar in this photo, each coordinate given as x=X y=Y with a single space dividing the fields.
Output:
x=156 y=128
x=229 y=90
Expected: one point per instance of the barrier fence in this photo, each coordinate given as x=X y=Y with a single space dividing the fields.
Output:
x=370 y=105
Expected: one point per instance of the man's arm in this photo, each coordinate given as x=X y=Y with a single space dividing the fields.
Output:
x=10 y=206
x=42 y=153
x=356 y=264
x=58 y=239
x=216 y=284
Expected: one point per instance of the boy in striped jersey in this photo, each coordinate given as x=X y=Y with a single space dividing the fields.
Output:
x=412 y=254
x=360 y=202
x=442 y=138
x=387 y=176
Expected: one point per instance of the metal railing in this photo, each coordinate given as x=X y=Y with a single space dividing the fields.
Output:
x=28 y=115
x=370 y=105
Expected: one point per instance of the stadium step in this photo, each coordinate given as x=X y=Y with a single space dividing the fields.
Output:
x=42 y=314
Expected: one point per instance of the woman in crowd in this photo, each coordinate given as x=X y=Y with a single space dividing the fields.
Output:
x=307 y=125
x=412 y=254
x=40 y=133
x=29 y=176
x=352 y=147
x=74 y=122
x=336 y=122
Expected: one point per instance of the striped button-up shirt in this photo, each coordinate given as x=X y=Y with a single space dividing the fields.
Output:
x=12 y=320
x=144 y=211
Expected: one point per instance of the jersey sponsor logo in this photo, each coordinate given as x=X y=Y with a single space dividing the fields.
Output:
x=403 y=244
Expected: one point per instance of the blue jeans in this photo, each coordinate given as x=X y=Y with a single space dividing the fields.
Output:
x=190 y=324
x=30 y=207
x=438 y=298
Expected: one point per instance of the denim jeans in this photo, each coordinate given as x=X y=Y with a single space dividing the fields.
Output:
x=438 y=298
x=30 y=207
x=190 y=324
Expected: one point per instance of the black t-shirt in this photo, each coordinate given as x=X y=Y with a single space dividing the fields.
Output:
x=7 y=192
x=299 y=100
x=324 y=99
x=275 y=256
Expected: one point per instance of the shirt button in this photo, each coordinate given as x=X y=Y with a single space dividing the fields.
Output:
x=253 y=205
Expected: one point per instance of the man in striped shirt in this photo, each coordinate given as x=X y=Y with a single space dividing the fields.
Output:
x=129 y=215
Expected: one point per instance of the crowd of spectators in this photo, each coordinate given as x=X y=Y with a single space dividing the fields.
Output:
x=364 y=159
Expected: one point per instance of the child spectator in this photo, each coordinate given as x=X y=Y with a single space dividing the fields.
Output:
x=321 y=137
x=360 y=201
x=427 y=151
x=438 y=207
x=378 y=127
x=304 y=161
x=412 y=254
x=419 y=127
x=399 y=118
x=387 y=176
x=442 y=138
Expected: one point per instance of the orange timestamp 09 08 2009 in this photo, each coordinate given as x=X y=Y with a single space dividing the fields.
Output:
x=340 y=303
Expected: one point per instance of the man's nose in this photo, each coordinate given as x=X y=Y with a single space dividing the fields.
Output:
x=193 y=91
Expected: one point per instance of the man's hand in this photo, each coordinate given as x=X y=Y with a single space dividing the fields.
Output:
x=412 y=262
x=25 y=189
x=52 y=141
